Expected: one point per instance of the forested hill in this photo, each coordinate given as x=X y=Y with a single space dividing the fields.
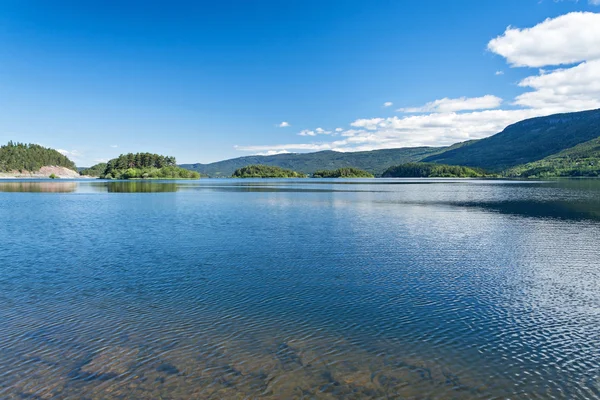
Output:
x=31 y=157
x=143 y=166
x=582 y=160
x=525 y=142
x=374 y=162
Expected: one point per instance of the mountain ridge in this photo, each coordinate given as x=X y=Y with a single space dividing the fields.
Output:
x=520 y=143
x=525 y=141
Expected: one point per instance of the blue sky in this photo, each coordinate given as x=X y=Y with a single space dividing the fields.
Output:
x=205 y=81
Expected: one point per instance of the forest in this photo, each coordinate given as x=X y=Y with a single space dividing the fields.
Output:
x=348 y=172
x=30 y=157
x=429 y=170
x=95 y=171
x=266 y=171
x=144 y=166
x=582 y=160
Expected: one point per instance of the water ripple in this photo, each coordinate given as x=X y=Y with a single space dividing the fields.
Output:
x=452 y=290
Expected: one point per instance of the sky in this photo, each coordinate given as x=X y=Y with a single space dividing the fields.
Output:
x=210 y=80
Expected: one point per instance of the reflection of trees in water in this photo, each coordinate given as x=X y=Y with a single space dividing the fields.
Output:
x=49 y=187
x=141 y=187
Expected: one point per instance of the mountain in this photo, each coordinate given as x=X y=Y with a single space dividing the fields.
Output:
x=581 y=160
x=375 y=161
x=525 y=142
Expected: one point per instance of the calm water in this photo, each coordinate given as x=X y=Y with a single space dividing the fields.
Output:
x=300 y=289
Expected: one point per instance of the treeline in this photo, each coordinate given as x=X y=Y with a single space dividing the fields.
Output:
x=588 y=171
x=97 y=170
x=582 y=160
x=266 y=171
x=429 y=170
x=152 y=173
x=140 y=166
x=348 y=172
x=31 y=157
x=140 y=160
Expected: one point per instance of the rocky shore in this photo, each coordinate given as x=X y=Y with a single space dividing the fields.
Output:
x=44 y=172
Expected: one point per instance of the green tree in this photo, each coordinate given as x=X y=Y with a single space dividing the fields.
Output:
x=347 y=172
x=266 y=171
x=31 y=157
x=429 y=170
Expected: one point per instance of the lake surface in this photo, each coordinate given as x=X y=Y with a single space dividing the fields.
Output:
x=420 y=289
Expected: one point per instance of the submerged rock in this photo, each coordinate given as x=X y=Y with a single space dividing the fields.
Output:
x=111 y=362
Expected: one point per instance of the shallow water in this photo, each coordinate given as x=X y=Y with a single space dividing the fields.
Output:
x=421 y=289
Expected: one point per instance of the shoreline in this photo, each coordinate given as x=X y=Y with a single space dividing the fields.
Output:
x=43 y=173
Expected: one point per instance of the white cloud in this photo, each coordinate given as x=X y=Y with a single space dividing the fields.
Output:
x=371 y=123
x=411 y=131
x=71 y=154
x=283 y=148
x=568 y=39
x=454 y=105
x=498 y=73
x=318 y=131
x=114 y=146
x=284 y=124
x=572 y=40
x=389 y=103
x=570 y=89
x=272 y=152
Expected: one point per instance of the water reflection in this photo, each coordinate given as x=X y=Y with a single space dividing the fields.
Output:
x=445 y=290
x=38 y=187
x=140 y=187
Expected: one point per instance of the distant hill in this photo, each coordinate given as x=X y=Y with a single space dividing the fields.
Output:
x=375 y=161
x=581 y=160
x=525 y=142
x=512 y=151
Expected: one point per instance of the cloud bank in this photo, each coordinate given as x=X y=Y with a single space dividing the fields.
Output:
x=566 y=52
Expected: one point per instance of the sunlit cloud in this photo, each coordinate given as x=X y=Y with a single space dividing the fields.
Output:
x=74 y=154
x=454 y=105
x=568 y=39
x=566 y=50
